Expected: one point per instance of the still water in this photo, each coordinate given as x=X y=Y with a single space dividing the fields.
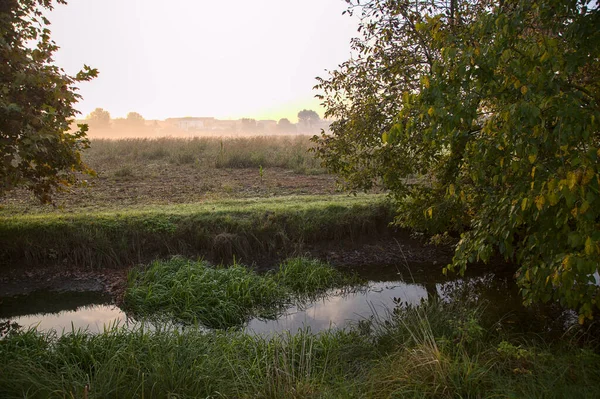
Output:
x=64 y=312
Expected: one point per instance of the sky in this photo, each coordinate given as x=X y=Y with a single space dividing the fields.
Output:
x=220 y=58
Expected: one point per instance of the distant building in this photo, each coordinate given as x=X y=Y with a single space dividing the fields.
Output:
x=192 y=123
x=226 y=126
x=266 y=125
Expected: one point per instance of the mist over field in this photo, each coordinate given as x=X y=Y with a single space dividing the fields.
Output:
x=101 y=125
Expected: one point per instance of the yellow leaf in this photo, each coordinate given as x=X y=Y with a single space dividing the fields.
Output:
x=451 y=190
x=517 y=84
x=581 y=319
x=553 y=198
x=539 y=202
x=589 y=246
x=426 y=82
x=431 y=111
x=565 y=263
x=575 y=212
x=523 y=90
x=532 y=158
x=588 y=176
x=429 y=212
x=571 y=180
x=501 y=162
x=533 y=172
x=477 y=51
x=555 y=278
x=462 y=196
x=584 y=207
x=524 y=204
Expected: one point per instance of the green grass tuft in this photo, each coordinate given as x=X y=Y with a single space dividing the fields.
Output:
x=222 y=297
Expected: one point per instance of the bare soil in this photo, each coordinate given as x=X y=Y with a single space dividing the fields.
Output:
x=177 y=184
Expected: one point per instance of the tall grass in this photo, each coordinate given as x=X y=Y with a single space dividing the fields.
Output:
x=222 y=297
x=423 y=352
x=289 y=152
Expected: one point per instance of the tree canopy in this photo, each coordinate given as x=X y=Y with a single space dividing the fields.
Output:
x=494 y=108
x=36 y=104
x=308 y=117
x=99 y=118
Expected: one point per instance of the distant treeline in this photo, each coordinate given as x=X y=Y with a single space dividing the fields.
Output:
x=100 y=122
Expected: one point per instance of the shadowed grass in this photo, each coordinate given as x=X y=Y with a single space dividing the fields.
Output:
x=432 y=351
x=216 y=230
x=222 y=297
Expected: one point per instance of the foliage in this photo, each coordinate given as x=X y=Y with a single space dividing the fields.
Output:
x=494 y=106
x=285 y=126
x=36 y=105
x=99 y=118
x=308 y=117
x=135 y=117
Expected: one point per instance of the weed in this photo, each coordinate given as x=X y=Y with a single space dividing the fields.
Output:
x=125 y=171
x=260 y=173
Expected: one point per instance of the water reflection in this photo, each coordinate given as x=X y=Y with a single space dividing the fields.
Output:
x=93 y=318
x=335 y=311
x=64 y=312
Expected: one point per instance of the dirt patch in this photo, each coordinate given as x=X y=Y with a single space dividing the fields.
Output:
x=17 y=282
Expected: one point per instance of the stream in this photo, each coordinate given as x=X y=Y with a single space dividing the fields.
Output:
x=387 y=288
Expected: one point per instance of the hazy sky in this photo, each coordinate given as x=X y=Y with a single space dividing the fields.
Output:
x=221 y=58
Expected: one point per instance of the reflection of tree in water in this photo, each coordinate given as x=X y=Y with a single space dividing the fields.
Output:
x=502 y=304
x=46 y=302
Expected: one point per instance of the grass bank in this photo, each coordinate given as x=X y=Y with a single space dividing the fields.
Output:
x=221 y=297
x=218 y=230
x=434 y=351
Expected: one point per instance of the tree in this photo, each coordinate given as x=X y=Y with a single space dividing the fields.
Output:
x=135 y=120
x=308 y=118
x=284 y=125
x=496 y=107
x=99 y=118
x=134 y=117
x=36 y=105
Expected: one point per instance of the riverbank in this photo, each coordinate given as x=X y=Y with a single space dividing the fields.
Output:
x=246 y=229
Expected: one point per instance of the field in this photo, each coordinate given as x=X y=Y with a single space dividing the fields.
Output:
x=175 y=170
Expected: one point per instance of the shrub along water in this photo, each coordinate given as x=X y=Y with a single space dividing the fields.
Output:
x=222 y=297
x=217 y=230
x=437 y=350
